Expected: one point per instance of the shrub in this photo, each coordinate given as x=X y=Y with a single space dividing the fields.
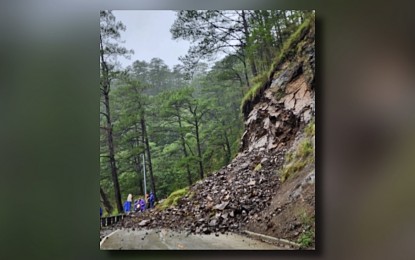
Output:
x=173 y=199
x=306 y=238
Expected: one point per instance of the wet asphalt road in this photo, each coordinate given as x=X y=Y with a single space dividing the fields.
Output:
x=166 y=239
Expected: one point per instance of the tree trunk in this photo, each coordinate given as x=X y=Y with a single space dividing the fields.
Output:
x=111 y=149
x=138 y=169
x=137 y=163
x=105 y=201
x=253 y=66
x=278 y=27
x=228 y=146
x=199 y=152
x=246 y=74
x=105 y=89
x=287 y=24
x=246 y=33
x=189 y=176
x=147 y=147
x=269 y=41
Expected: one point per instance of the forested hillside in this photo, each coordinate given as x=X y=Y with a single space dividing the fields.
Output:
x=187 y=122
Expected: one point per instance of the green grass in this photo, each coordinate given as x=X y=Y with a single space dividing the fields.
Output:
x=288 y=49
x=251 y=94
x=291 y=168
x=288 y=46
x=306 y=239
x=113 y=213
x=310 y=129
x=305 y=149
x=174 y=198
x=260 y=78
x=306 y=219
x=295 y=162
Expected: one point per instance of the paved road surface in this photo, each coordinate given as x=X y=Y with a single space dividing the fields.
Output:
x=165 y=239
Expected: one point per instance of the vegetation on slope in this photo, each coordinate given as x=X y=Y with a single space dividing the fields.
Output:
x=262 y=81
x=303 y=155
x=173 y=198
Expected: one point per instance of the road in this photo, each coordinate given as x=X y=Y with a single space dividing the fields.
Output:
x=166 y=239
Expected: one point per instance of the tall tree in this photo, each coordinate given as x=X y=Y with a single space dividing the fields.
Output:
x=173 y=111
x=197 y=110
x=133 y=97
x=213 y=31
x=109 y=50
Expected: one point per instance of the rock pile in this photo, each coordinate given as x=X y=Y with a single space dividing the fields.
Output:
x=222 y=202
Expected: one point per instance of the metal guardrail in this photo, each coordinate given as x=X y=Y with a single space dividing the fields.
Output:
x=111 y=220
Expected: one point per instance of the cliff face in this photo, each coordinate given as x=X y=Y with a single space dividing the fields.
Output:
x=285 y=101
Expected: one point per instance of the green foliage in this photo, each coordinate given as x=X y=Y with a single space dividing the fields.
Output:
x=305 y=149
x=295 y=162
x=260 y=78
x=291 y=168
x=113 y=213
x=173 y=198
x=286 y=51
x=251 y=94
x=306 y=239
x=310 y=129
x=288 y=48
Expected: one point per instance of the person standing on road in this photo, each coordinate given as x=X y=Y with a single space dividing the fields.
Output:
x=142 y=205
x=147 y=201
x=127 y=204
x=151 y=200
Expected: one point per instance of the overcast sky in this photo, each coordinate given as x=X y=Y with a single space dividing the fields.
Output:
x=148 y=34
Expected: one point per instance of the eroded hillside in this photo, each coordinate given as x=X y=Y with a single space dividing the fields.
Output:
x=268 y=187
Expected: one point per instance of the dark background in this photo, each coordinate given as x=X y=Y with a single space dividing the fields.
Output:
x=49 y=135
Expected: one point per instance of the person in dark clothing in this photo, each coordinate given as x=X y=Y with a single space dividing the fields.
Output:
x=151 y=199
x=127 y=206
x=136 y=205
x=142 y=205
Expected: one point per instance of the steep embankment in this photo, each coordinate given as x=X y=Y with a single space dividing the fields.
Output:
x=280 y=118
x=269 y=187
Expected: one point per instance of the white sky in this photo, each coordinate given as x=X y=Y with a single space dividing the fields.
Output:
x=148 y=34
